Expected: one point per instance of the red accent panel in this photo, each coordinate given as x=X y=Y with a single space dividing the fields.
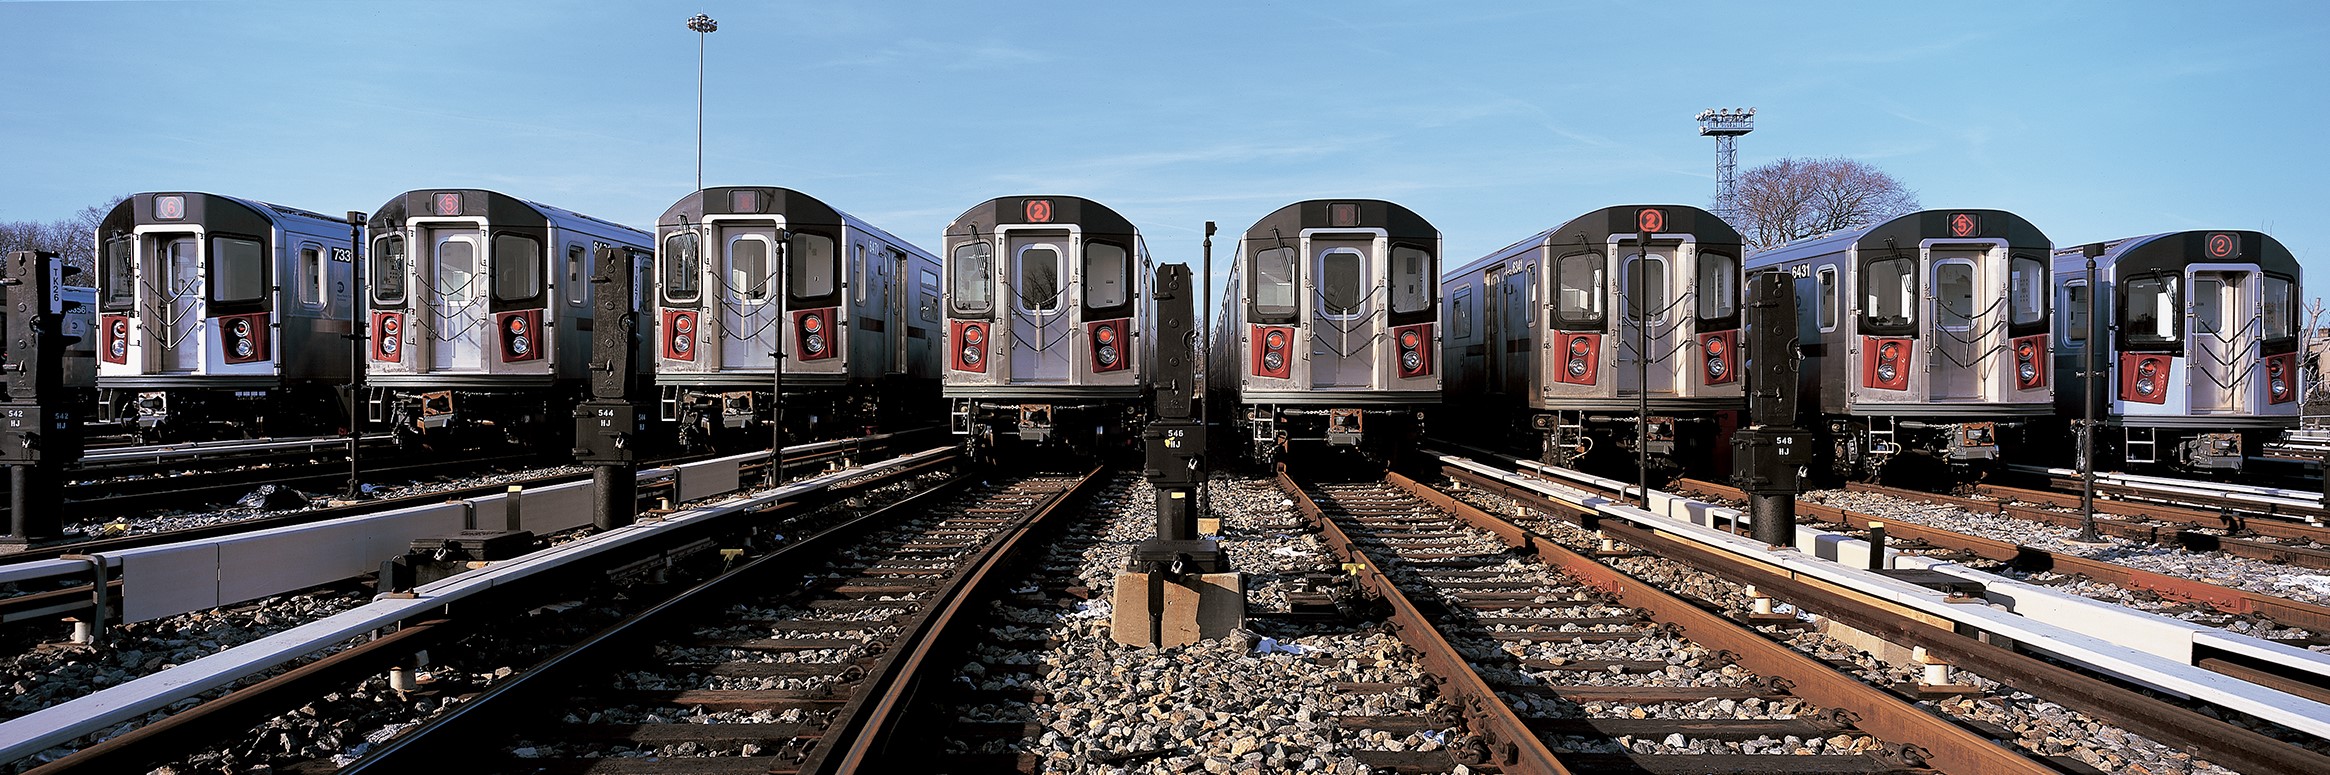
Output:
x=1285 y=351
x=235 y=330
x=1877 y=352
x=1585 y=349
x=2034 y=350
x=680 y=325
x=388 y=336
x=521 y=335
x=113 y=338
x=964 y=334
x=1423 y=348
x=819 y=323
x=1115 y=337
x=2281 y=367
x=1722 y=346
x=2139 y=370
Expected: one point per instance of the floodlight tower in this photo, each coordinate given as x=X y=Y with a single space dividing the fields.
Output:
x=1726 y=125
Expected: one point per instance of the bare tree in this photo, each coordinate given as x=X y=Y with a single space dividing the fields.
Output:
x=73 y=237
x=1792 y=199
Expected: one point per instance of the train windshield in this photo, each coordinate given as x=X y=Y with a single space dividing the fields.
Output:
x=1889 y=296
x=120 y=274
x=2152 y=311
x=814 y=268
x=2280 y=322
x=973 y=289
x=517 y=267
x=238 y=270
x=683 y=268
x=1274 y=276
x=1411 y=279
x=1106 y=268
x=1038 y=282
x=388 y=271
x=1579 y=286
x=2026 y=291
x=1718 y=286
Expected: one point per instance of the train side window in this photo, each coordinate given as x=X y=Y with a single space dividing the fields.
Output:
x=1889 y=296
x=929 y=296
x=311 y=275
x=2026 y=291
x=2280 y=319
x=974 y=278
x=1105 y=270
x=1828 y=298
x=238 y=270
x=748 y=267
x=517 y=267
x=858 y=270
x=1460 y=311
x=388 y=270
x=1340 y=283
x=1718 y=286
x=1579 y=286
x=1412 y=278
x=1038 y=278
x=1954 y=295
x=813 y=267
x=578 y=278
x=2075 y=313
x=120 y=275
x=1274 y=285
x=683 y=268
x=2152 y=311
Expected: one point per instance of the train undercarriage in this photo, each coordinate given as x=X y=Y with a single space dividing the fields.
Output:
x=161 y=415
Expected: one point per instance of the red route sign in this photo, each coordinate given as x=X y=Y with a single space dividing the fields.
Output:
x=1039 y=211
x=1964 y=225
x=1650 y=219
x=2223 y=245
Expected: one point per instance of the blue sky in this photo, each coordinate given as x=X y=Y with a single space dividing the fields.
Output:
x=1494 y=120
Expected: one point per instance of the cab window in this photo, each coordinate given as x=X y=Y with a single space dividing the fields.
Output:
x=814 y=268
x=388 y=271
x=683 y=268
x=311 y=275
x=2075 y=312
x=1718 y=286
x=238 y=270
x=1579 y=287
x=2026 y=291
x=1412 y=278
x=972 y=289
x=517 y=266
x=2280 y=316
x=1106 y=271
x=1889 y=296
x=2152 y=311
x=120 y=274
x=1274 y=284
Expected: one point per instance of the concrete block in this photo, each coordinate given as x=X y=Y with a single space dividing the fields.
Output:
x=1209 y=526
x=1204 y=607
x=1132 y=617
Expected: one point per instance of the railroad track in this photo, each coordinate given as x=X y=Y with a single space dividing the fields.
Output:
x=1537 y=643
x=830 y=632
x=2228 y=502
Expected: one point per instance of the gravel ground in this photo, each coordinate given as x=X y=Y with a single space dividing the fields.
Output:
x=2037 y=725
x=2213 y=567
x=255 y=506
x=1217 y=706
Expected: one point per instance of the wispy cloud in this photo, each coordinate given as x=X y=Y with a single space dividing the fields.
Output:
x=950 y=55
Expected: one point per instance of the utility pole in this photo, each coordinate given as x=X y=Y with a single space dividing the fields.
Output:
x=1726 y=125
x=1635 y=298
x=358 y=300
x=704 y=26
x=2092 y=379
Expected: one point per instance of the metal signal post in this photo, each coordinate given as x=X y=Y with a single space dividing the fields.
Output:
x=609 y=427
x=40 y=428
x=356 y=350
x=1635 y=298
x=2093 y=377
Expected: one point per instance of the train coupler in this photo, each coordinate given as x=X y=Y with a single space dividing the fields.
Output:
x=2213 y=452
x=1974 y=441
x=1035 y=422
x=1345 y=427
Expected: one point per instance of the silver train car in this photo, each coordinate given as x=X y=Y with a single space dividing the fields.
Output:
x=221 y=317
x=1329 y=328
x=2202 y=364
x=1047 y=305
x=1923 y=336
x=743 y=273
x=481 y=314
x=1542 y=339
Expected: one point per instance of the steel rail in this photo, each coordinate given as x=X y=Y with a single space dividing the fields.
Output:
x=2161 y=512
x=2222 y=742
x=1512 y=747
x=2203 y=542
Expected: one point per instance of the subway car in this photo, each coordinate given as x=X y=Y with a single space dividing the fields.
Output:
x=1924 y=336
x=1543 y=340
x=743 y=272
x=220 y=317
x=1329 y=329
x=480 y=315
x=2201 y=366
x=1047 y=309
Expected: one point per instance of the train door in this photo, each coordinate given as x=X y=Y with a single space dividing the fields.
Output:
x=1343 y=330
x=893 y=279
x=1039 y=309
x=456 y=299
x=1493 y=329
x=748 y=306
x=1966 y=312
x=2216 y=364
x=1646 y=280
x=1519 y=314
x=178 y=302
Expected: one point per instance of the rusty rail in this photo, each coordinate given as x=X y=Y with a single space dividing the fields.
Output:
x=2224 y=743
x=2155 y=534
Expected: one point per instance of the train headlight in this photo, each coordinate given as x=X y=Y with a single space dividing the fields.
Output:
x=389 y=341
x=1271 y=360
x=1886 y=371
x=1577 y=366
x=2280 y=387
x=1106 y=352
x=2146 y=385
x=971 y=354
x=681 y=342
x=1715 y=366
x=120 y=344
x=814 y=342
x=1411 y=360
x=244 y=348
x=519 y=343
x=2027 y=371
